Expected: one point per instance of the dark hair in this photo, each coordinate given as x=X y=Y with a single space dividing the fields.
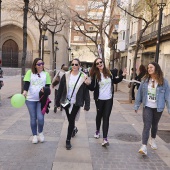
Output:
x=142 y=69
x=158 y=74
x=33 y=68
x=76 y=60
x=62 y=66
x=65 y=68
x=95 y=71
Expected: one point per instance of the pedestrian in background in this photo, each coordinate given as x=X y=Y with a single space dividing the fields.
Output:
x=132 y=84
x=102 y=85
x=60 y=73
x=153 y=92
x=142 y=72
x=35 y=79
x=72 y=91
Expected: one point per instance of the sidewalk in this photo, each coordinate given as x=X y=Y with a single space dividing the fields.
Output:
x=18 y=153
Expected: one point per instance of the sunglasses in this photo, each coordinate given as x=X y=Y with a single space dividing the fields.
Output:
x=74 y=64
x=39 y=75
x=39 y=64
x=99 y=63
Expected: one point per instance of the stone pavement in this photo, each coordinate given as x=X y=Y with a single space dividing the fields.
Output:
x=18 y=153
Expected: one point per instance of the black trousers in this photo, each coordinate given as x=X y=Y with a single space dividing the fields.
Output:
x=104 y=108
x=71 y=120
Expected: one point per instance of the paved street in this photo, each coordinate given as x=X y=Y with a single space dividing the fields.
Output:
x=18 y=153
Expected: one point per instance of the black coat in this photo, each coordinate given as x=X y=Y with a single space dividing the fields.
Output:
x=82 y=96
x=94 y=86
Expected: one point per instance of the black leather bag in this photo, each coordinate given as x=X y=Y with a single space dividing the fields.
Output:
x=66 y=105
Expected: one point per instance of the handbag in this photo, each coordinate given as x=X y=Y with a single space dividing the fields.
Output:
x=67 y=104
x=57 y=80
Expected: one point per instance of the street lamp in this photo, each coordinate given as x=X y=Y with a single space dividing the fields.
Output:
x=56 y=48
x=69 y=51
x=44 y=29
x=161 y=4
x=72 y=55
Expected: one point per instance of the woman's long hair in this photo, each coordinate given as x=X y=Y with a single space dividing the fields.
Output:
x=95 y=71
x=158 y=74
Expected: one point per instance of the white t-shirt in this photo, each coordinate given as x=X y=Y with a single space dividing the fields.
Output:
x=105 y=92
x=151 y=97
x=36 y=83
x=72 y=82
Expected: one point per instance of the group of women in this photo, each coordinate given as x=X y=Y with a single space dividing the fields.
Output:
x=74 y=90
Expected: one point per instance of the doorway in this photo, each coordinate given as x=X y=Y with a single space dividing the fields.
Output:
x=10 y=54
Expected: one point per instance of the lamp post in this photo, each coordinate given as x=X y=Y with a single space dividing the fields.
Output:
x=161 y=4
x=72 y=56
x=69 y=51
x=56 y=48
x=44 y=29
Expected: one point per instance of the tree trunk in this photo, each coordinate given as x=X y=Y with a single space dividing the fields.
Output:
x=24 y=42
x=54 y=60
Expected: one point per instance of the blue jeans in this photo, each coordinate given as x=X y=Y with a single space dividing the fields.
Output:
x=34 y=108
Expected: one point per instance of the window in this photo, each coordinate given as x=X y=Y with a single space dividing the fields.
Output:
x=78 y=38
x=80 y=8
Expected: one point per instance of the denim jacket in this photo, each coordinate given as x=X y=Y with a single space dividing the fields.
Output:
x=162 y=96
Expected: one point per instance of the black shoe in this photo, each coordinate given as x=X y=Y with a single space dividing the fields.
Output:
x=74 y=132
x=55 y=109
x=133 y=98
x=68 y=145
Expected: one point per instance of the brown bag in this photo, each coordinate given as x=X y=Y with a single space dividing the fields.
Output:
x=57 y=80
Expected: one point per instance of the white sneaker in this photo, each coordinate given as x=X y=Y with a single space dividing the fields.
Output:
x=97 y=135
x=105 y=142
x=35 y=139
x=41 y=137
x=152 y=142
x=143 y=150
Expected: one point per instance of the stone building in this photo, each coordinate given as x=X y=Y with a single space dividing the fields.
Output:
x=11 y=39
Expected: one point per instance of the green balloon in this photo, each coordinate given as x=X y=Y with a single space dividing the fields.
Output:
x=17 y=100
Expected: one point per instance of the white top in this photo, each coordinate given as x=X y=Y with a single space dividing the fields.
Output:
x=151 y=98
x=36 y=84
x=72 y=82
x=105 y=92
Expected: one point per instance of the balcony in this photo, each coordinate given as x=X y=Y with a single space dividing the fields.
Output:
x=152 y=31
x=133 y=39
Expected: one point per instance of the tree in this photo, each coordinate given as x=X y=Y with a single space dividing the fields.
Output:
x=144 y=11
x=51 y=14
x=98 y=15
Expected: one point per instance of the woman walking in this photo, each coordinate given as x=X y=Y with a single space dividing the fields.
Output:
x=60 y=73
x=153 y=92
x=103 y=86
x=72 y=91
x=35 y=79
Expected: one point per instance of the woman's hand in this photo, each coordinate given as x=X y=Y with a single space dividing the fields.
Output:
x=124 y=72
x=25 y=93
x=87 y=81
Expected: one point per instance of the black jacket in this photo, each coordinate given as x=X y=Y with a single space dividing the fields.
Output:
x=94 y=86
x=82 y=96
